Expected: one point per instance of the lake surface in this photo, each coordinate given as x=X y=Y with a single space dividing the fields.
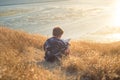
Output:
x=80 y=19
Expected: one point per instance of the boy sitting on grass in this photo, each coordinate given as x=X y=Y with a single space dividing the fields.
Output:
x=54 y=47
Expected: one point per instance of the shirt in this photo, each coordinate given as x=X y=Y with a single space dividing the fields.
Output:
x=55 y=45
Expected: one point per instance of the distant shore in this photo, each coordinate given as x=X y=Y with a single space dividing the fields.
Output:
x=21 y=2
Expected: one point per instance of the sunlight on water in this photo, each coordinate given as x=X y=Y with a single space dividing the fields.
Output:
x=114 y=37
x=83 y=17
x=116 y=14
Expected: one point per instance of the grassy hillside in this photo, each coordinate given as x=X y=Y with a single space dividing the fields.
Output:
x=22 y=58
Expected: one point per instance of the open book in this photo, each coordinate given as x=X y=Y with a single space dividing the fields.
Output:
x=66 y=41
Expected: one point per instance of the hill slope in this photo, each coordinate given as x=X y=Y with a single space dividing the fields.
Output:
x=22 y=58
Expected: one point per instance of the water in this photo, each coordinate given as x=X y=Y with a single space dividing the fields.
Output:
x=80 y=19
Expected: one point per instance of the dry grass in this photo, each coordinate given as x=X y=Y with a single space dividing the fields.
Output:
x=22 y=58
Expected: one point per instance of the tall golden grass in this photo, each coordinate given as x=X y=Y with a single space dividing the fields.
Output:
x=22 y=58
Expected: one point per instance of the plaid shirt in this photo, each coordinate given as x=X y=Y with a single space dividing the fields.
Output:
x=55 y=45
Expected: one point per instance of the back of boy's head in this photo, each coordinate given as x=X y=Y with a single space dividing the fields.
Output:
x=57 y=31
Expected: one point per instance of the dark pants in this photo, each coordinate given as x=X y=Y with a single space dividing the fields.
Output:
x=50 y=57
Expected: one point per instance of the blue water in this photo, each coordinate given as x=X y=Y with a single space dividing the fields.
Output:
x=78 y=18
x=18 y=2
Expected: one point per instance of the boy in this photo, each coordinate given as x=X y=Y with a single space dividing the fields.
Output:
x=54 y=47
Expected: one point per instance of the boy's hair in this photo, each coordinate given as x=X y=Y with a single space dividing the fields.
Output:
x=57 y=31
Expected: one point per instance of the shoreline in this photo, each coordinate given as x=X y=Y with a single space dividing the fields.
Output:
x=26 y=3
x=81 y=39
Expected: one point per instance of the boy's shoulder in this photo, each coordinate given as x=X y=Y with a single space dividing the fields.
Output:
x=52 y=40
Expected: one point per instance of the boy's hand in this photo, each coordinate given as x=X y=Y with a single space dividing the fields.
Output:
x=67 y=52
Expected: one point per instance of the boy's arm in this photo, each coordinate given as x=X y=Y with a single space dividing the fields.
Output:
x=47 y=45
x=64 y=48
x=62 y=45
